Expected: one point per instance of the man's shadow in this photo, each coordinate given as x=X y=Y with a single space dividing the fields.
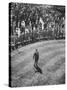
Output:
x=38 y=69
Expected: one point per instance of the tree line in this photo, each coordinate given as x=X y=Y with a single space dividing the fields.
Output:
x=52 y=16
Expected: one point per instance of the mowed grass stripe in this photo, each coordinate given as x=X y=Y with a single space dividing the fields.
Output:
x=28 y=50
x=37 y=45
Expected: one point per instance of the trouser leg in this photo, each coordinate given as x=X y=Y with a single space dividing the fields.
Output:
x=36 y=65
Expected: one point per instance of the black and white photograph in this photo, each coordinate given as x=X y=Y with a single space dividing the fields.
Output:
x=36 y=44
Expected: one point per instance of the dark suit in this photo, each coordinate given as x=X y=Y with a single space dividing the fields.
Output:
x=36 y=57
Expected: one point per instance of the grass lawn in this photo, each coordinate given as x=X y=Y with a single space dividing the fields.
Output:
x=51 y=61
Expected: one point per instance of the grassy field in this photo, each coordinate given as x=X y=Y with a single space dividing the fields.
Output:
x=51 y=61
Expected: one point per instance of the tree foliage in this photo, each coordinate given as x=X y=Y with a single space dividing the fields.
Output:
x=31 y=13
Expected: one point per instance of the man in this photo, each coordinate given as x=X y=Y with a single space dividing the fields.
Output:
x=36 y=57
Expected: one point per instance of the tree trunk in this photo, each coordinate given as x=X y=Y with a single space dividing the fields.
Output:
x=32 y=33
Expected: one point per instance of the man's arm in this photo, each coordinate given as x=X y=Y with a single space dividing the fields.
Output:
x=38 y=55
